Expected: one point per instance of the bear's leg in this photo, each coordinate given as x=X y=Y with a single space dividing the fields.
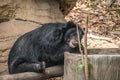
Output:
x=19 y=66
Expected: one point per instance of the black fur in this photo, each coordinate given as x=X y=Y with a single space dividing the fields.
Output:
x=47 y=44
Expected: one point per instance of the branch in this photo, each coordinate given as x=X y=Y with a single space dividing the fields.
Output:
x=86 y=53
x=49 y=73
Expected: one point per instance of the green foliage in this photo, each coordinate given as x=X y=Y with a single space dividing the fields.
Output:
x=90 y=66
x=79 y=67
x=92 y=4
x=107 y=8
x=117 y=29
x=118 y=11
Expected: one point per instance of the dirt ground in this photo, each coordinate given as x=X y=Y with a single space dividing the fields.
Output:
x=103 y=27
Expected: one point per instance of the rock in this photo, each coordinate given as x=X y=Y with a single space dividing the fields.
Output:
x=9 y=32
x=39 y=11
x=66 y=5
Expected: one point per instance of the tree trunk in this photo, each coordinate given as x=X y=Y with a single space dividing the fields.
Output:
x=101 y=67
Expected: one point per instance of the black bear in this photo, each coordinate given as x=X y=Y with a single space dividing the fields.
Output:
x=46 y=44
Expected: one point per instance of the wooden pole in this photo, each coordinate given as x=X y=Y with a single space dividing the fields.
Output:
x=49 y=73
x=86 y=53
x=101 y=67
x=79 y=42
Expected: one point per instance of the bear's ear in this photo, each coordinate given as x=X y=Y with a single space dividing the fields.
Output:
x=71 y=24
x=67 y=25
